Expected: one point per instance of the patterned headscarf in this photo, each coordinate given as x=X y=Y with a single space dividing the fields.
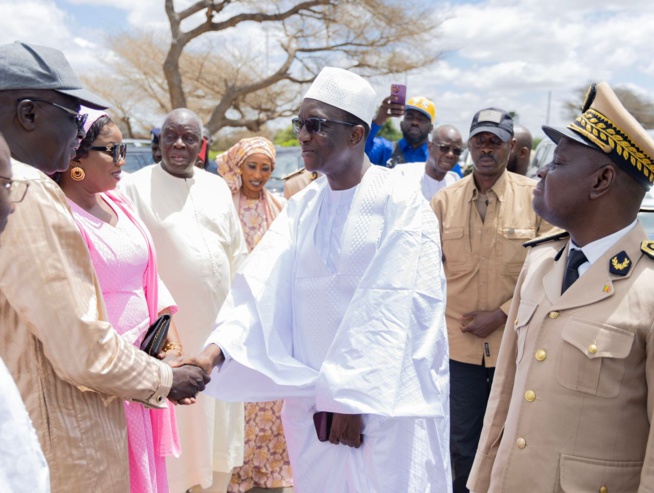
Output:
x=229 y=163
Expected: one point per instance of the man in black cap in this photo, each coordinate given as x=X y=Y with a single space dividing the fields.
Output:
x=72 y=368
x=571 y=407
x=484 y=218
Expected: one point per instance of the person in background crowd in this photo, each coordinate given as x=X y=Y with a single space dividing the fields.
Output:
x=200 y=244
x=321 y=316
x=298 y=180
x=521 y=152
x=444 y=150
x=125 y=262
x=246 y=167
x=571 y=406
x=154 y=144
x=484 y=218
x=72 y=368
x=419 y=114
x=22 y=464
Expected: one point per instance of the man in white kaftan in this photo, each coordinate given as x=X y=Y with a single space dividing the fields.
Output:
x=444 y=149
x=200 y=244
x=340 y=308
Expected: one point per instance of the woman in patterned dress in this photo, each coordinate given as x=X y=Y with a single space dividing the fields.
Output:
x=246 y=167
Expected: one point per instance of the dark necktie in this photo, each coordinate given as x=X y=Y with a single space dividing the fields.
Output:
x=575 y=259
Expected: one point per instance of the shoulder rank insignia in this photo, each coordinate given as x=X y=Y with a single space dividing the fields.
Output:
x=647 y=247
x=294 y=173
x=557 y=235
x=620 y=264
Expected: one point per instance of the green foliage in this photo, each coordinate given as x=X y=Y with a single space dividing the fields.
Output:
x=389 y=131
x=286 y=137
x=536 y=141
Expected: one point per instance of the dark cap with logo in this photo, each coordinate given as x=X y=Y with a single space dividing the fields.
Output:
x=493 y=120
x=25 y=66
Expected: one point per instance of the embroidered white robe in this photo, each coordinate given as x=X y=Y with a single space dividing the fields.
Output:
x=365 y=335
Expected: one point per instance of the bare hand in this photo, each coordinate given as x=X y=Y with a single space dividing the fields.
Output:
x=346 y=430
x=387 y=109
x=483 y=324
x=187 y=382
x=207 y=359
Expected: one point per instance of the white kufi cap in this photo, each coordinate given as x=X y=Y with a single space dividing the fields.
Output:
x=345 y=90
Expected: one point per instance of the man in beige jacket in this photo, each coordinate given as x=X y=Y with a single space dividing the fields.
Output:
x=72 y=368
x=484 y=218
x=570 y=408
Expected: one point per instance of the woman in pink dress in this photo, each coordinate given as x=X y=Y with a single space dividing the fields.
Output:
x=125 y=263
x=246 y=167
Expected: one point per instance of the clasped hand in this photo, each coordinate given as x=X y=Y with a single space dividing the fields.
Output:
x=346 y=430
x=188 y=381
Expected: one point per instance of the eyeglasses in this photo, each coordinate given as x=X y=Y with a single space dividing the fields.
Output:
x=479 y=141
x=15 y=189
x=314 y=125
x=118 y=151
x=446 y=149
x=80 y=118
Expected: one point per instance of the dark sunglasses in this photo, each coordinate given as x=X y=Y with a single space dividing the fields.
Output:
x=15 y=189
x=314 y=125
x=80 y=118
x=118 y=151
x=446 y=149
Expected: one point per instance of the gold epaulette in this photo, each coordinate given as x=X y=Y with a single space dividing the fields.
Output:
x=295 y=173
x=559 y=235
x=647 y=247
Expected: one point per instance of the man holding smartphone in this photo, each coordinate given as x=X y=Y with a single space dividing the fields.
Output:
x=419 y=114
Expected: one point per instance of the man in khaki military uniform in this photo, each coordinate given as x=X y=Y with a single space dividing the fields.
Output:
x=298 y=180
x=484 y=218
x=570 y=409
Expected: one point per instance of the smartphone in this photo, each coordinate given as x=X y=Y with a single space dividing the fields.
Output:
x=398 y=94
x=323 y=422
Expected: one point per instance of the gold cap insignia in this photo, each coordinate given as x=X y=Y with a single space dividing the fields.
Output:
x=607 y=125
x=620 y=264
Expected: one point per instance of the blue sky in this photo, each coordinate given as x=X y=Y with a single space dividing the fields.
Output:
x=505 y=53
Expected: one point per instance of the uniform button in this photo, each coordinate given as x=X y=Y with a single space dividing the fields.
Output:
x=516 y=322
x=554 y=315
x=541 y=355
x=530 y=395
x=603 y=489
x=592 y=349
x=160 y=398
x=521 y=442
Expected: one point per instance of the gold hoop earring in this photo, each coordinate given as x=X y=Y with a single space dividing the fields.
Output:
x=77 y=173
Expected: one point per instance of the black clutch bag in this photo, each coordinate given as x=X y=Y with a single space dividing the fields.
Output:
x=156 y=335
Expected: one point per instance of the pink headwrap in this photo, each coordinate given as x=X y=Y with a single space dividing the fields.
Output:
x=92 y=118
x=229 y=163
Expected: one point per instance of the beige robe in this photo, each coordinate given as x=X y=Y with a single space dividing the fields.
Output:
x=570 y=409
x=200 y=244
x=65 y=358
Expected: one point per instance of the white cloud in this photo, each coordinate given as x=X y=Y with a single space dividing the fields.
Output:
x=507 y=53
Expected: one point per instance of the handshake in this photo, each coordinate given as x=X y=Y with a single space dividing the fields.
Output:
x=192 y=373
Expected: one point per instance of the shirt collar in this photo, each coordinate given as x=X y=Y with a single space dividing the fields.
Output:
x=498 y=188
x=595 y=249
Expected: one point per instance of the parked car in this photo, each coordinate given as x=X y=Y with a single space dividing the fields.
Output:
x=542 y=155
x=139 y=155
x=288 y=159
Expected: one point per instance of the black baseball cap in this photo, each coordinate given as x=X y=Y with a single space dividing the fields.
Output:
x=493 y=120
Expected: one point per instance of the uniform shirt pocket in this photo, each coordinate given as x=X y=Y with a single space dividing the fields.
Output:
x=456 y=250
x=581 y=475
x=525 y=312
x=513 y=253
x=592 y=357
